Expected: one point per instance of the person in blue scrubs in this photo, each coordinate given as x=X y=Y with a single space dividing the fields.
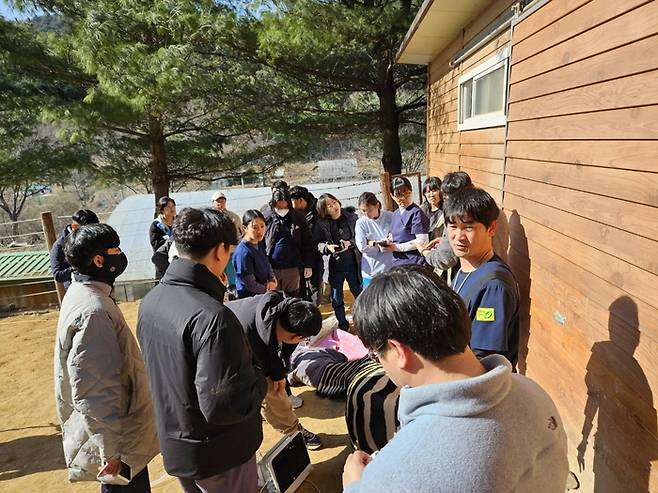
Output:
x=484 y=281
x=409 y=226
x=253 y=272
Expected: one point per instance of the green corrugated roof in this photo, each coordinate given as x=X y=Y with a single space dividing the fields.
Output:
x=24 y=265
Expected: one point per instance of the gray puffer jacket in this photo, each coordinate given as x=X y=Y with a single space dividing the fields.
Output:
x=101 y=388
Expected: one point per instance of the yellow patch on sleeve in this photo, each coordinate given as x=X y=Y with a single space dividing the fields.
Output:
x=485 y=315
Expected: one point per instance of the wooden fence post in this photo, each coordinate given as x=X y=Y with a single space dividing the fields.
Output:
x=49 y=234
x=385 y=179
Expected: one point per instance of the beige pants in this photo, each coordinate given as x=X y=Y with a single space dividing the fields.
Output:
x=278 y=411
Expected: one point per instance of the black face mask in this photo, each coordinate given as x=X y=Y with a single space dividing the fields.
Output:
x=113 y=267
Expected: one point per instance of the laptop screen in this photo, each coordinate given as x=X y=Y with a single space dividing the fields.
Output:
x=290 y=462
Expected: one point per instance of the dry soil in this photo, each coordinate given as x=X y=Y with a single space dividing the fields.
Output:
x=31 y=458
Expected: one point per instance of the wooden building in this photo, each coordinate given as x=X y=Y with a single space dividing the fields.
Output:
x=552 y=106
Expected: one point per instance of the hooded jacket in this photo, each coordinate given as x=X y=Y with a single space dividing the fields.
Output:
x=288 y=237
x=101 y=389
x=497 y=432
x=207 y=391
x=311 y=210
x=258 y=316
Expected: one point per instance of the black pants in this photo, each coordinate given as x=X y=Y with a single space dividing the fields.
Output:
x=309 y=289
x=139 y=484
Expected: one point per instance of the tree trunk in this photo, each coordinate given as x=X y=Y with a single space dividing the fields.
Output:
x=159 y=169
x=390 y=126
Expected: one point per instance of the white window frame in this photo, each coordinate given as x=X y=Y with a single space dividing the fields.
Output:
x=496 y=119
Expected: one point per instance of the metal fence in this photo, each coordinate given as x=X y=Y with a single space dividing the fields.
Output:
x=26 y=235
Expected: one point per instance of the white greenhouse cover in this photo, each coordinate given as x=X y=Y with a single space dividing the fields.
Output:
x=133 y=216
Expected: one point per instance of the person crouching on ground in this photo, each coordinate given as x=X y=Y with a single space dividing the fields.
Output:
x=101 y=390
x=465 y=424
x=207 y=391
x=270 y=321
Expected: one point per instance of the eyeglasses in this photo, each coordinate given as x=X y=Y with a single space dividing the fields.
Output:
x=401 y=193
x=375 y=354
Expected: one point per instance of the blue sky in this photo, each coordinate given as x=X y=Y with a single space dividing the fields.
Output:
x=8 y=13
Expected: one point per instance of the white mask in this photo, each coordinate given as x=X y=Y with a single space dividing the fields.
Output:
x=282 y=212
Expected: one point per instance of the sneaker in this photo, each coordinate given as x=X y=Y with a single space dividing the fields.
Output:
x=311 y=440
x=296 y=401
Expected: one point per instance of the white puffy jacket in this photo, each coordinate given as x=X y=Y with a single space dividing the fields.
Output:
x=101 y=388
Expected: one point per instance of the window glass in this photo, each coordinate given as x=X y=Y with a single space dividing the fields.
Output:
x=482 y=94
x=467 y=99
x=490 y=92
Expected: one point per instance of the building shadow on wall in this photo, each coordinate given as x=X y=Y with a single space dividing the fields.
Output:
x=618 y=391
x=518 y=259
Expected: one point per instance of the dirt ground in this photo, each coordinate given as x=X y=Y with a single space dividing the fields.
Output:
x=31 y=457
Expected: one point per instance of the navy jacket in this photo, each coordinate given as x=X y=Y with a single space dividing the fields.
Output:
x=58 y=264
x=288 y=241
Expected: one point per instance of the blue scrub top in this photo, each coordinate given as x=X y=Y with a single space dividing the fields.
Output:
x=248 y=259
x=493 y=309
x=405 y=225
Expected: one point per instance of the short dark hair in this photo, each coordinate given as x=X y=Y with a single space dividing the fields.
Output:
x=321 y=206
x=400 y=184
x=432 y=183
x=250 y=215
x=369 y=198
x=301 y=318
x=280 y=194
x=454 y=181
x=414 y=306
x=279 y=185
x=85 y=216
x=298 y=192
x=197 y=231
x=474 y=202
x=83 y=244
x=164 y=202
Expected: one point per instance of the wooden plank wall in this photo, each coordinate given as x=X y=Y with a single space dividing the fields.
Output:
x=581 y=196
x=480 y=153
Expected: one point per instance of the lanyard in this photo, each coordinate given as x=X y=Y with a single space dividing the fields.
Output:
x=457 y=290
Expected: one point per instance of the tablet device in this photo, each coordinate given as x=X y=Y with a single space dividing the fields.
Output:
x=287 y=464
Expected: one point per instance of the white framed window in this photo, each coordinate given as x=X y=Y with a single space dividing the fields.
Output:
x=482 y=96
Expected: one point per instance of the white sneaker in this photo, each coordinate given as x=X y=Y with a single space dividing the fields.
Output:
x=296 y=401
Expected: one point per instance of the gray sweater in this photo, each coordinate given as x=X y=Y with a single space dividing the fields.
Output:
x=499 y=432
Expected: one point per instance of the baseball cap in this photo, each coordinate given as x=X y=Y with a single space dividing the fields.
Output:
x=217 y=195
